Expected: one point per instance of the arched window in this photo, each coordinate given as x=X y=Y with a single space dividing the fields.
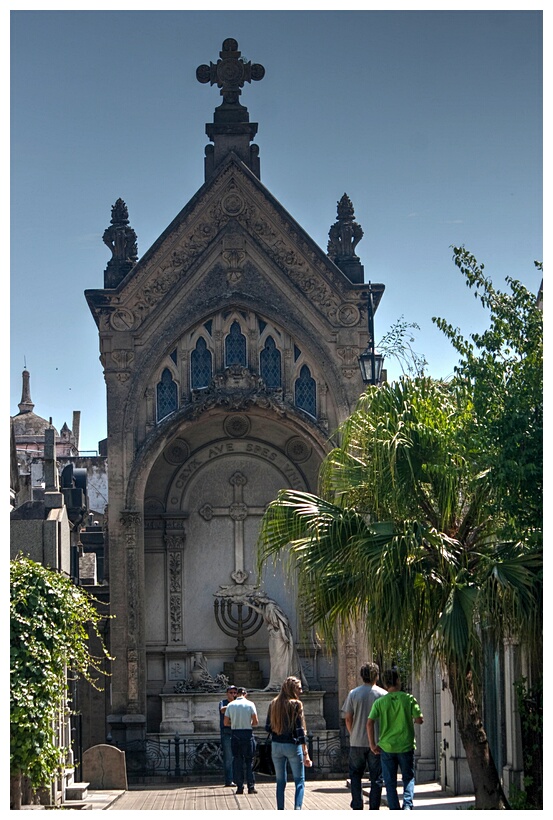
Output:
x=306 y=392
x=200 y=365
x=167 y=396
x=269 y=364
x=235 y=346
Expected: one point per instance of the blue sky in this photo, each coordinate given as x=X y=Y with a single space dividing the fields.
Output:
x=430 y=121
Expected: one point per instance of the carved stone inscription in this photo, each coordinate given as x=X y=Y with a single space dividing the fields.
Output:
x=232 y=447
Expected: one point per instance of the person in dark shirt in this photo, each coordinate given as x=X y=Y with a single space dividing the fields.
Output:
x=286 y=725
x=226 y=734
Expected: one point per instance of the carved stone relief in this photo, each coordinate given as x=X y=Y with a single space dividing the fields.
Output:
x=278 y=240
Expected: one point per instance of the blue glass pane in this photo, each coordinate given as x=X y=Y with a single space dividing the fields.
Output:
x=167 y=396
x=306 y=392
x=235 y=346
x=269 y=364
x=200 y=365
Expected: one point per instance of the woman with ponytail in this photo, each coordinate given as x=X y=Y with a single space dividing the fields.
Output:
x=286 y=725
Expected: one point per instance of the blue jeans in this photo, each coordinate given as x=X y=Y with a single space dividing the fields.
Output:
x=243 y=749
x=227 y=756
x=281 y=753
x=406 y=762
x=360 y=759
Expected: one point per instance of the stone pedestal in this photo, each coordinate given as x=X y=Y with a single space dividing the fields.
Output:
x=198 y=712
x=244 y=673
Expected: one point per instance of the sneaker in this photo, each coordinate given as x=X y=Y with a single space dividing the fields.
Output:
x=230 y=784
x=239 y=791
x=253 y=790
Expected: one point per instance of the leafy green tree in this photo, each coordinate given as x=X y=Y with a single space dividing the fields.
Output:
x=402 y=535
x=49 y=622
x=502 y=369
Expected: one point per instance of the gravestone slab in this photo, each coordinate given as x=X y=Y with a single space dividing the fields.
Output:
x=104 y=767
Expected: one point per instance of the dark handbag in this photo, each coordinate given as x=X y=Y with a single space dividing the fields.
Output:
x=265 y=763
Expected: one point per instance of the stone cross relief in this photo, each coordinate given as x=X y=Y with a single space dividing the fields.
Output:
x=238 y=510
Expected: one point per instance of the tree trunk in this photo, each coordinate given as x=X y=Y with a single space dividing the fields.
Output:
x=488 y=792
x=15 y=792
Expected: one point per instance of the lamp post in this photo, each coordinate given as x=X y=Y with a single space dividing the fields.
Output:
x=370 y=362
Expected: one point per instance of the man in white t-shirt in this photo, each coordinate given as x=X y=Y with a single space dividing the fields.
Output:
x=241 y=716
x=356 y=710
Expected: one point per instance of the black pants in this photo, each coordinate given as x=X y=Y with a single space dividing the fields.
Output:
x=243 y=750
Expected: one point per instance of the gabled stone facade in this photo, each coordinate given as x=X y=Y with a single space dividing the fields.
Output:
x=230 y=358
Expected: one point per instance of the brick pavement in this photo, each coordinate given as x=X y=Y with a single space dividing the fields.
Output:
x=320 y=795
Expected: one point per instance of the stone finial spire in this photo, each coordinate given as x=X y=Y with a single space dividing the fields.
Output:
x=344 y=236
x=231 y=129
x=121 y=239
x=26 y=405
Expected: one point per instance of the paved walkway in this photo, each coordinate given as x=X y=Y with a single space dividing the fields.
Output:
x=320 y=795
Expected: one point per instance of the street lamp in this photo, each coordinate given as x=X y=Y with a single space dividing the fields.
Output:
x=370 y=362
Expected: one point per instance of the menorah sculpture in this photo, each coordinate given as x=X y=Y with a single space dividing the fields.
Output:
x=232 y=620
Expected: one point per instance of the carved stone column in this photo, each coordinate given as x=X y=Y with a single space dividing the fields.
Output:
x=131 y=521
x=174 y=540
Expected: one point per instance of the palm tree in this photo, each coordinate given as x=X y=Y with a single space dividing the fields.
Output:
x=402 y=535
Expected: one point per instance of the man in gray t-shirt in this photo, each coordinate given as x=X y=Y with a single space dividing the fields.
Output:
x=356 y=710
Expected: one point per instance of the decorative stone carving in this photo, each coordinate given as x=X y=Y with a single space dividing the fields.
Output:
x=122 y=319
x=121 y=239
x=175 y=546
x=345 y=234
x=232 y=204
x=348 y=315
x=237 y=426
x=282 y=651
x=230 y=72
x=200 y=680
x=350 y=358
x=177 y=452
x=297 y=449
x=131 y=521
x=238 y=511
x=236 y=388
x=279 y=244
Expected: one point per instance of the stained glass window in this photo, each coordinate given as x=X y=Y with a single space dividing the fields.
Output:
x=306 y=392
x=235 y=346
x=167 y=395
x=269 y=364
x=200 y=365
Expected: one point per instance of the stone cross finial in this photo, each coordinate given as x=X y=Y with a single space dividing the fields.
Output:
x=230 y=72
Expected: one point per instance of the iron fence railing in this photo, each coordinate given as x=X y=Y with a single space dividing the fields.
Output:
x=197 y=757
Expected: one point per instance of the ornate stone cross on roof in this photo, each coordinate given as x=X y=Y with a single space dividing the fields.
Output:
x=230 y=72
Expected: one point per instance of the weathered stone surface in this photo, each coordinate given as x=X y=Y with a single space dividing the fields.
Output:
x=104 y=767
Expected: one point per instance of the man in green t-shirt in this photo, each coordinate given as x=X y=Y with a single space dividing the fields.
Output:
x=396 y=713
